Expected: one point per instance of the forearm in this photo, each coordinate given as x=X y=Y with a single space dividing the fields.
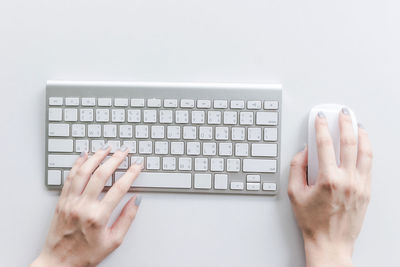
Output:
x=326 y=254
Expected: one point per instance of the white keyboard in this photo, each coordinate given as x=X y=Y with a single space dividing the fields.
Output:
x=193 y=137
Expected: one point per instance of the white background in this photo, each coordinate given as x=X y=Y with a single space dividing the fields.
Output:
x=321 y=51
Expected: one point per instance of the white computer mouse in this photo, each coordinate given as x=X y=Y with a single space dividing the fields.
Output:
x=331 y=112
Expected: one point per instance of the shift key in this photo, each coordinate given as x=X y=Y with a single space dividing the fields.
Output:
x=259 y=165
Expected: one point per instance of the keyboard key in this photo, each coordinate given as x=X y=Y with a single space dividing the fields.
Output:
x=54 y=177
x=214 y=117
x=253 y=104
x=102 y=115
x=161 y=148
x=125 y=131
x=86 y=115
x=131 y=146
x=217 y=165
x=173 y=132
x=177 y=148
x=225 y=149
x=81 y=145
x=61 y=161
x=163 y=180
x=269 y=186
x=221 y=133
x=200 y=164
x=88 y=101
x=193 y=148
x=170 y=103
x=271 y=105
x=209 y=149
x=121 y=102
x=141 y=131
x=253 y=186
x=58 y=129
x=166 y=116
x=185 y=164
x=97 y=144
x=145 y=147
x=55 y=114
x=233 y=165
x=94 y=130
x=118 y=115
x=60 y=145
x=157 y=132
x=202 y=181
x=189 y=132
x=246 y=118
x=104 y=102
x=79 y=130
x=169 y=163
x=264 y=150
x=181 y=116
x=137 y=102
x=241 y=149
x=238 y=133
x=267 y=118
x=153 y=163
x=221 y=181
x=134 y=115
x=72 y=101
x=259 y=165
x=220 y=104
x=251 y=178
x=254 y=134
x=110 y=130
x=154 y=103
x=203 y=103
x=187 y=103
x=230 y=117
x=198 y=117
x=237 y=104
x=115 y=145
x=70 y=114
x=55 y=101
x=237 y=185
x=205 y=133
x=270 y=134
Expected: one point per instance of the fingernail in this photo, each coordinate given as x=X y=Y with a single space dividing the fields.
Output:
x=305 y=146
x=321 y=114
x=345 y=111
x=139 y=161
x=133 y=160
x=105 y=147
x=83 y=153
x=138 y=200
x=360 y=125
x=123 y=148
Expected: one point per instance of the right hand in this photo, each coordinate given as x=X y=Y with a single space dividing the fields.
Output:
x=330 y=213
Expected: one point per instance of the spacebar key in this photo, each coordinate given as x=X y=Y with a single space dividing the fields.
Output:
x=259 y=165
x=163 y=180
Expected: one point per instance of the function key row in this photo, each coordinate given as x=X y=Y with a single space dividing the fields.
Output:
x=167 y=103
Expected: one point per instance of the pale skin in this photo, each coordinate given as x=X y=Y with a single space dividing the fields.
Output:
x=329 y=213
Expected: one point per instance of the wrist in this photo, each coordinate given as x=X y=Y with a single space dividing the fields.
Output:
x=324 y=253
x=44 y=260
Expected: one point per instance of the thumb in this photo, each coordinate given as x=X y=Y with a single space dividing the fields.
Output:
x=298 y=173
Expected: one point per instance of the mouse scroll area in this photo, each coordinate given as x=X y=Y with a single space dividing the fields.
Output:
x=331 y=112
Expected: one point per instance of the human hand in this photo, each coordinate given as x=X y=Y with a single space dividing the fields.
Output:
x=330 y=213
x=79 y=235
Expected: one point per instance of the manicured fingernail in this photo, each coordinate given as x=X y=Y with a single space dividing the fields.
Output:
x=305 y=146
x=83 y=153
x=138 y=200
x=361 y=126
x=139 y=161
x=105 y=147
x=321 y=114
x=345 y=111
x=123 y=148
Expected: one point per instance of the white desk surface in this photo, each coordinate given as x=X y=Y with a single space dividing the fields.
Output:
x=321 y=51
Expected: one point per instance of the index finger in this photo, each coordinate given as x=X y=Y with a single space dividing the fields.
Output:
x=326 y=152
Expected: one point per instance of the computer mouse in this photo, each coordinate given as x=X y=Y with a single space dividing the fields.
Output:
x=331 y=112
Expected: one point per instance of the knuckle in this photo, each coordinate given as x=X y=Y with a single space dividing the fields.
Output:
x=367 y=152
x=81 y=172
x=329 y=185
x=93 y=220
x=120 y=188
x=348 y=140
x=323 y=141
x=292 y=194
x=74 y=214
x=117 y=241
